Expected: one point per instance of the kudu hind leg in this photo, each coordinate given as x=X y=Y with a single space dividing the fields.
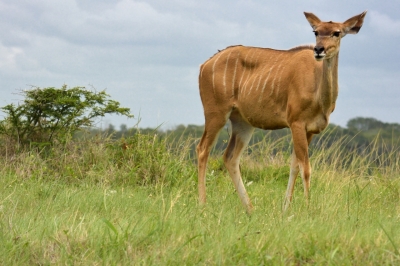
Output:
x=294 y=171
x=211 y=130
x=241 y=135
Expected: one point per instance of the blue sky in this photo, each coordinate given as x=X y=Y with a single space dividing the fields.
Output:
x=146 y=54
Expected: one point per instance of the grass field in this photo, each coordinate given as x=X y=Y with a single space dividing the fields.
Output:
x=95 y=203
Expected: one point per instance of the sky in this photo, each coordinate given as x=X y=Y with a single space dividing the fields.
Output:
x=146 y=54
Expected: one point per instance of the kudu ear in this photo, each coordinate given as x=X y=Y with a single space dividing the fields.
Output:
x=354 y=24
x=312 y=19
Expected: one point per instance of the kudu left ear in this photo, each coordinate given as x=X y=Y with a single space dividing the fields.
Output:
x=354 y=24
x=312 y=19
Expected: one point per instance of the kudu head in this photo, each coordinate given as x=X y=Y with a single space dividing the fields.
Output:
x=328 y=34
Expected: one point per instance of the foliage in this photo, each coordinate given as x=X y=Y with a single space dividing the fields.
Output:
x=368 y=123
x=49 y=114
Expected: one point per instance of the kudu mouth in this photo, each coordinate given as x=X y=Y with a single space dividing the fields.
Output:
x=319 y=53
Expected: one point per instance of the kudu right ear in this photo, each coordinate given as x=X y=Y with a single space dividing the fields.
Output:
x=354 y=24
x=312 y=19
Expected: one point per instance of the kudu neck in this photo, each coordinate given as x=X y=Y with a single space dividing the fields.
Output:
x=329 y=89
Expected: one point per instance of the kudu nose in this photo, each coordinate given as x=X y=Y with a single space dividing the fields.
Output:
x=319 y=49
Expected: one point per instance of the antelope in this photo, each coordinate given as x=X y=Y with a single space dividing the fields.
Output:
x=271 y=89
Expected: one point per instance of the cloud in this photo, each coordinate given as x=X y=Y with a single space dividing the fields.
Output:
x=383 y=24
x=8 y=57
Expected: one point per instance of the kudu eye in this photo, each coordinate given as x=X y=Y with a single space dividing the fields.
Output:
x=316 y=33
x=336 y=33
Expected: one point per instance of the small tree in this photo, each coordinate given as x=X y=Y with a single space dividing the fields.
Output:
x=49 y=114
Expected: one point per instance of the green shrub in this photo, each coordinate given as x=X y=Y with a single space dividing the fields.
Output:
x=53 y=114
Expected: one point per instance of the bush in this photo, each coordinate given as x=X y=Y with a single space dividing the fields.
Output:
x=50 y=114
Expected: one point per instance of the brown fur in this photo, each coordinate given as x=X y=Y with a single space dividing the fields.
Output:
x=271 y=89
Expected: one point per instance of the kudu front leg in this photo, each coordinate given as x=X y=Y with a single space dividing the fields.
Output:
x=299 y=163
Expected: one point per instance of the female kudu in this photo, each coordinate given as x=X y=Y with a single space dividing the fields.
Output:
x=271 y=89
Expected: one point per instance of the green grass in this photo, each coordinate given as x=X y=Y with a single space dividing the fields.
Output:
x=108 y=206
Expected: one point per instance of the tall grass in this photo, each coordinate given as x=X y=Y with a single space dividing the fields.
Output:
x=134 y=202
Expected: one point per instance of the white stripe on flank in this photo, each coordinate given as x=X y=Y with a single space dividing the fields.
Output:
x=213 y=70
x=255 y=77
x=249 y=73
x=266 y=80
x=203 y=66
x=279 y=73
x=240 y=82
x=234 y=74
x=273 y=81
x=279 y=81
x=262 y=73
x=226 y=68
x=265 y=83
x=245 y=83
